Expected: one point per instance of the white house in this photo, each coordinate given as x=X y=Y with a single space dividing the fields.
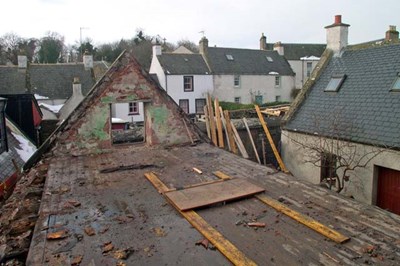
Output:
x=248 y=75
x=185 y=77
x=346 y=118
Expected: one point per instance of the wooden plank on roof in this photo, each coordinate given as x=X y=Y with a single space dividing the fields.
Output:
x=233 y=254
x=201 y=196
x=211 y=120
x=231 y=138
x=219 y=124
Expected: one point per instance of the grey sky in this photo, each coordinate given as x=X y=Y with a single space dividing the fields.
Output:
x=227 y=23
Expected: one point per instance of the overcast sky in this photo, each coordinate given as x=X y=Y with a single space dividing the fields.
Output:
x=227 y=23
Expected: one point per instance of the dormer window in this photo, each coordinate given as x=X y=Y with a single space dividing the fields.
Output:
x=3 y=134
x=269 y=59
x=396 y=84
x=335 y=83
x=229 y=57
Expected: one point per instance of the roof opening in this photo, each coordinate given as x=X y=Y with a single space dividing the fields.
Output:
x=269 y=59
x=396 y=84
x=229 y=57
x=335 y=83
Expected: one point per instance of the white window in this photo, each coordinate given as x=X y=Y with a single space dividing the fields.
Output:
x=237 y=100
x=277 y=81
x=396 y=84
x=188 y=83
x=236 y=81
x=259 y=99
x=309 y=68
x=277 y=98
x=200 y=103
x=229 y=57
x=134 y=108
x=184 y=104
x=269 y=59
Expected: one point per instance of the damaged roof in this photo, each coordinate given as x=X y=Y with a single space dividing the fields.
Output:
x=365 y=108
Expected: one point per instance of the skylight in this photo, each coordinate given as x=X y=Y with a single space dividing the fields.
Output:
x=396 y=84
x=269 y=59
x=335 y=83
x=229 y=57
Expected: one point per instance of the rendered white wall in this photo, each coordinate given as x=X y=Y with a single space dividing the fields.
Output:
x=121 y=110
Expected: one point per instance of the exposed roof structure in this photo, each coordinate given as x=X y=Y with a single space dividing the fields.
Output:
x=246 y=62
x=295 y=51
x=183 y=64
x=50 y=80
x=96 y=210
x=364 y=108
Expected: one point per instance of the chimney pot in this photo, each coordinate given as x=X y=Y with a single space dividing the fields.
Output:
x=338 y=19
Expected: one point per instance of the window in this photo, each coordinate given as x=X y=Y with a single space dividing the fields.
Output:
x=229 y=57
x=328 y=167
x=396 y=84
x=269 y=59
x=335 y=83
x=236 y=81
x=134 y=108
x=259 y=99
x=277 y=81
x=237 y=100
x=184 y=104
x=200 y=103
x=309 y=68
x=3 y=134
x=277 y=98
x=188 y=83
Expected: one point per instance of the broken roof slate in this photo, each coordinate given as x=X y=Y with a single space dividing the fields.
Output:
x=365 y=108
x=295 y=51
x=180 y=64
x=246 y=62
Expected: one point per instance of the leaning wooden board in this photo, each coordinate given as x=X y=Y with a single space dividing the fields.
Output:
x=208 y=194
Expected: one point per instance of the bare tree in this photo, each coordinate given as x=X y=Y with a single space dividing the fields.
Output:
x=329 y=149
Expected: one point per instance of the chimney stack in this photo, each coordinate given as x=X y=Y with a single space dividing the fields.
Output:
x=337 y=35
x=22 y=61
x=203 y=46
x=279 y=48
x=87 y=60
x=157 y=49
x=263 y=42
x=392 y=34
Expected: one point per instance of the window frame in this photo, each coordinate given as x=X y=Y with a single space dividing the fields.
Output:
x=328 y=166
x=196 y=103
x=277 y=81
x=181 y=101
x=308 y=69
x=236 y=81
x=258 y=97
x=335 y=83
x=131 y=108
x=186 y=81
x=237 y=98
x=396 y=84
x=229 y=57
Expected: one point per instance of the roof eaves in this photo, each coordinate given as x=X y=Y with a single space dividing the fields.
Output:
x=319 y=68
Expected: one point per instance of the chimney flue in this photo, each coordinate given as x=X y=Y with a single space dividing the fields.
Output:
x=392 y=34
x=338 y=19
x=263 y=42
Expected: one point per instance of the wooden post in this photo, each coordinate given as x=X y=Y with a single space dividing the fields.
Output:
x=207 y=118
x=251 y=140
x=239 y=142
x=230 y=132
x=271 y=141
x=224 y=124
x=219 y=124
x=212 y=121
x=263 y=151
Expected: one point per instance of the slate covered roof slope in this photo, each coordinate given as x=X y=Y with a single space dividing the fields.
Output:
x=55 y=80
x=295 y=51
x=246 y=62
x=183 y=64
x=365 y=110
x=12 y=80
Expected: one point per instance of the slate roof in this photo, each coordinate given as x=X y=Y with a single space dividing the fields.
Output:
x=55 y=80
x=12 y=80
x=365 y=108
x=295 y=51
x=50 y=80
x=246 y=62
x=7 y=168
x=180 y=64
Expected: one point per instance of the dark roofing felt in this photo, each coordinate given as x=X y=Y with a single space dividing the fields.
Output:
x=246 y=61
x=183 y=64
x=364 y=109
x=12 y=80
x=55 y=80
x=295 y=51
